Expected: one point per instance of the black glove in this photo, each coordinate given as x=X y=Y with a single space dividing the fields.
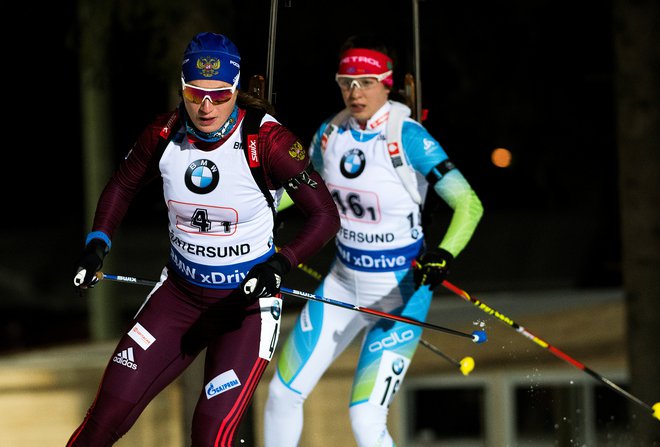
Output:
x=265 y=279
x=90 y=262
x=432 y=267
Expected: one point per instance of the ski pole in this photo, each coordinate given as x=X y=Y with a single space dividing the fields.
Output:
x=476 y=336
x=654 y=409
x=270 y=63
x=417 y=62
x=126 y=279
x=466 y=365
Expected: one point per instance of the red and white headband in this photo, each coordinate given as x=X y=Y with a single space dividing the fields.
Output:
x=362 y=63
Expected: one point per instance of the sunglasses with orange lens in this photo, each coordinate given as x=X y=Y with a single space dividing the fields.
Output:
x=217 y=96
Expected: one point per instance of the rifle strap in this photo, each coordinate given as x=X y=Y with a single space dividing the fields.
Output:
x=250 y=134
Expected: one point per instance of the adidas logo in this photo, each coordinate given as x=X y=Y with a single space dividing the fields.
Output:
x=126 y=359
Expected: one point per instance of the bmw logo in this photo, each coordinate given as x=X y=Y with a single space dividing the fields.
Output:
x=276 y=310
x=202 y=176
x=352 y=163
x=397 y=366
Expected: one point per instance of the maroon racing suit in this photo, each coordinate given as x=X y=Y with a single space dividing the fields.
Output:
x=187 y=311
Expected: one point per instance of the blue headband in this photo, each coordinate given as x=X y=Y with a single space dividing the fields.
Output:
x=211 y=56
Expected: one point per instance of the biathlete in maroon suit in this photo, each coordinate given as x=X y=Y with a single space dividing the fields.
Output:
x=220 y=287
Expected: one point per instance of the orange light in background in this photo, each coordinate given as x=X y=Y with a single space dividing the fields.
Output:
x=501 y=157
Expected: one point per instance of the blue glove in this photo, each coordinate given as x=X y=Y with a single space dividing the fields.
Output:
x=264 y=279
x=432 y=268
x=89 y=263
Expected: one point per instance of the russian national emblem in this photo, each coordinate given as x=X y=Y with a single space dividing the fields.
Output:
x=296 y=151
x=208 y=66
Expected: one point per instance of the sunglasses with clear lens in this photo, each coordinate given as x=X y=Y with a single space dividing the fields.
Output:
x=217 y=96
x=364 y=82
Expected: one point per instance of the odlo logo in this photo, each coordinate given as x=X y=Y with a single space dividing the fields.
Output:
x=391 y=340
x=125 y=358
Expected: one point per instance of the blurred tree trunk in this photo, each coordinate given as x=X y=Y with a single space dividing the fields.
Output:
x=637 y=47
x=94 y=19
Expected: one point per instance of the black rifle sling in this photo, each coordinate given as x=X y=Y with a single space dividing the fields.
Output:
x=250 y=131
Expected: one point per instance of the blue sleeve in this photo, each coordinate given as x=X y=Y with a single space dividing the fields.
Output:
x=315 y=147
x=424 y=153
x=422 y=150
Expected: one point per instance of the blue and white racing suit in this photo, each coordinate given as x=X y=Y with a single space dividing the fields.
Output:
x=380 y=236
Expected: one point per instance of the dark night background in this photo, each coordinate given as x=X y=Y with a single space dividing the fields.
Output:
x=540 y=78
x=533 y=77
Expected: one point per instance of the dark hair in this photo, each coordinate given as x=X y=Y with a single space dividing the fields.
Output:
x=254 y=96
x=247 y=100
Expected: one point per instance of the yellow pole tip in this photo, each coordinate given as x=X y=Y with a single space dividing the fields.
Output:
x=656 y=410
x=467 y=365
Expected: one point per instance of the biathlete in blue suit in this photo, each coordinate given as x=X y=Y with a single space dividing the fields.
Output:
x=375 y=178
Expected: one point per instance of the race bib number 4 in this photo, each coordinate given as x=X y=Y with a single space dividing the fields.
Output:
x=204 y=219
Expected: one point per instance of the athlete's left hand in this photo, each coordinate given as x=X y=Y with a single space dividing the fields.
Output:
x=265 y=279
x=432 y=268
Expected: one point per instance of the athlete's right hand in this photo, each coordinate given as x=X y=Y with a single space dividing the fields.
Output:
x=89 y=263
